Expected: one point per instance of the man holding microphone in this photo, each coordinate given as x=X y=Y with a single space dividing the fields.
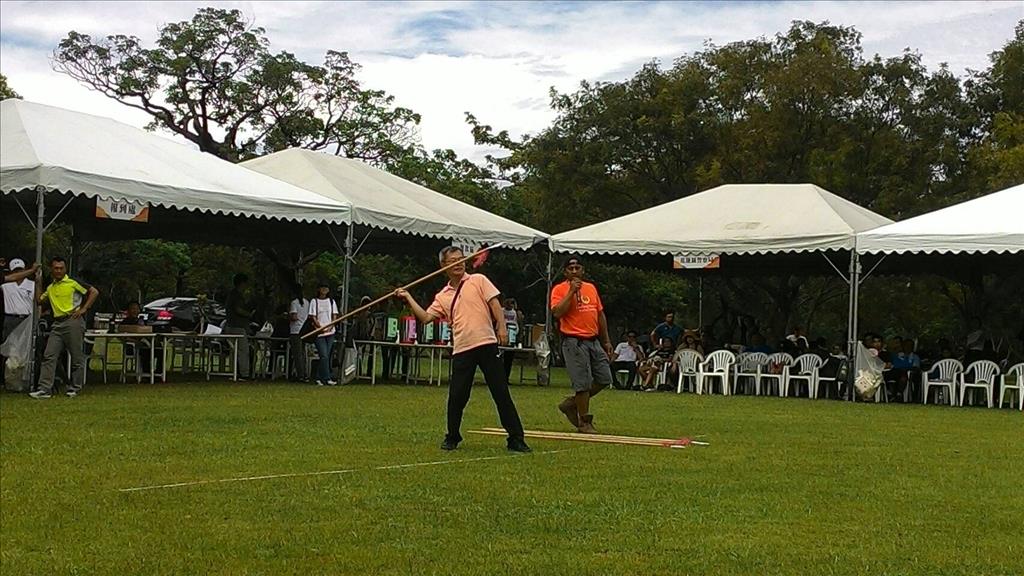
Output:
x=586 y=347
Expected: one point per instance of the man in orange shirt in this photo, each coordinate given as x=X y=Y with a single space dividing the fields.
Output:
x=469 y=302
x=585 y=344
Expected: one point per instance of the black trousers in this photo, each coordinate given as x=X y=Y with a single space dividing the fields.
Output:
x=629 y=367
x=464 y=365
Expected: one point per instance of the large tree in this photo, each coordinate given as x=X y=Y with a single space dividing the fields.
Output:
x=214 y=81
x=805 y=105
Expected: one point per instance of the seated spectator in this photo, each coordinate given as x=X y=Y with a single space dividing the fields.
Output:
x=905 y=374
x=658 y=360
x=690 y=342
x=757 y=344
x=988 y=352
x=800 y=343
x=626 y=357
x=820 y=348
x=667 y=329
x=132 y=315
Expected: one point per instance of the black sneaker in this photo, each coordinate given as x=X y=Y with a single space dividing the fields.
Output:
x=518 y=445
x=449 y=445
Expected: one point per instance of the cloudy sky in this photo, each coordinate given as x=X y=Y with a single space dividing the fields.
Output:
x=497 y=60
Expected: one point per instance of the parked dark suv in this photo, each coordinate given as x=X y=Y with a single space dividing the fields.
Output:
x=182 y=314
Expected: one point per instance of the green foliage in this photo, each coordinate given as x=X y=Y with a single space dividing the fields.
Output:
x=5 y=90
x=802 y=106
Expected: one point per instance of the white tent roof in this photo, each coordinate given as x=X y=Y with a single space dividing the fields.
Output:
x=730 y=219
x=92 y=156
x=382 y=200
x=993 y=223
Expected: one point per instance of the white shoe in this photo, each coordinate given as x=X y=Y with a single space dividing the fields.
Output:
x=332 y=382
x=71 y=394
x=40 y=394
x=319 y=383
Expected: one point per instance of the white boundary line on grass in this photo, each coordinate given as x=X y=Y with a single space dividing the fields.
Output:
x=330 y=472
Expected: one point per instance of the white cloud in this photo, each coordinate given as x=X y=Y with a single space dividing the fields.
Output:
x=497 y=60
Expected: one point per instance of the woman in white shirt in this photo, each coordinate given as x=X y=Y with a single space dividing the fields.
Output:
x=322 y=311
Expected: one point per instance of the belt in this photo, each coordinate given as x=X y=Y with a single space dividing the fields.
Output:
x=16 y=315
x=581 y=338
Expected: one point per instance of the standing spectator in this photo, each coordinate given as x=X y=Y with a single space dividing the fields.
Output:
x=625 y=357
x=470 y=303
x=239 y=313
x=68 y=332
x=514 y=324
x=585 y=344
x=667 y=329
x=298 y=313
x=322 y=311
x=19 y=293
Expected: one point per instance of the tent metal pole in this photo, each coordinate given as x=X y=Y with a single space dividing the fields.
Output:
x=547 y=295
x=40 y=219
x=700 y=302
x=854 y=282
x=345 y=286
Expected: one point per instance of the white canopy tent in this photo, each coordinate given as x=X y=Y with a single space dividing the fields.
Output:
x=387 y=202
x=730 y=219
x=49 y=149
x=60 y=157
x=383 y=201
x=989 y=224
x=738 y=219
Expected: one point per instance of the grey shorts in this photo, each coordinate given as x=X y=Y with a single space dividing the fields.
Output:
x=586 y=362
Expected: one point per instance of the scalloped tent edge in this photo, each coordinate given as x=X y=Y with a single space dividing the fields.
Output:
x=993 y=224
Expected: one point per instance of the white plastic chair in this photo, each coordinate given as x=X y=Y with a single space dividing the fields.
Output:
x=1017 y=371
x=687 y=361
x=767 y=378
x=946 y=372
x=804 y=369
x=717 y=365
x=749 y=365
x=841 y=364
x=985 y=372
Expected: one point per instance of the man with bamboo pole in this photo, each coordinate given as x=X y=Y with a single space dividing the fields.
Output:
x=469 y=302
x=586 y=347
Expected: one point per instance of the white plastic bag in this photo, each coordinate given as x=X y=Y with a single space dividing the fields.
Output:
x=869 y=372
x=17 y=349
x=349 y=365
x=543 y=352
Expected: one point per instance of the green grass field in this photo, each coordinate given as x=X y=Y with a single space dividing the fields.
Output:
x=786 y=487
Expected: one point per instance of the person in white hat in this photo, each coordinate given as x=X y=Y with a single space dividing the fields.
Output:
x=18 y=293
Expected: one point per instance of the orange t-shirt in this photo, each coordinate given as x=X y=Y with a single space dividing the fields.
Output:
x=581 y=319
x=472 y=325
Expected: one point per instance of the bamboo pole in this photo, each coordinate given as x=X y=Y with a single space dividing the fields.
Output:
x=538 y=434
x=598 y=438
x=385 y=297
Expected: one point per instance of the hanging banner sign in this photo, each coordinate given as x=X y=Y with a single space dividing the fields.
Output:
x=696 y=261
x=122 y=210
x=467 y=246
